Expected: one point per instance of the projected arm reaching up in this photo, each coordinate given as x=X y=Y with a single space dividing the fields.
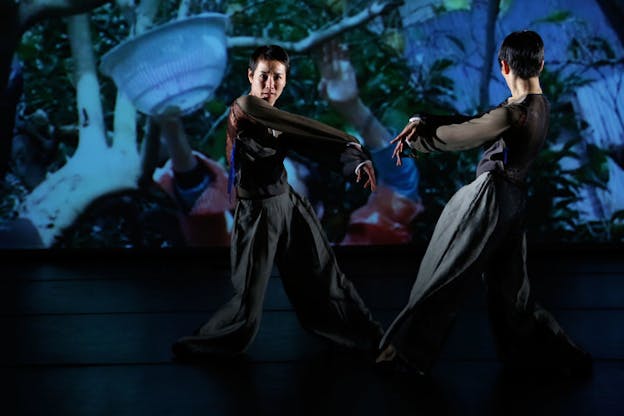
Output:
x=387 y=215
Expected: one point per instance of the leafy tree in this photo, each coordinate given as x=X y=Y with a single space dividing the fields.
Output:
x=57 y=201
x=391 y=89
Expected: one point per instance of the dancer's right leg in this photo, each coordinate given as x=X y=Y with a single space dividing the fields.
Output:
x=258 y=224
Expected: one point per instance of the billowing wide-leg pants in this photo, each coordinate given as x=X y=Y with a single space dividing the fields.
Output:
x=480 y=233
x=284 y=229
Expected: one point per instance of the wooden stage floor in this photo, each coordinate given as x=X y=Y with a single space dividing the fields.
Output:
x=89 y=333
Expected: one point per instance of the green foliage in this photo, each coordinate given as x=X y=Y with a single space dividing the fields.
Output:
x=13 y=193
x=453 y=5
x=558 y=16
x=554 y=190
x=596 y=47
x=45 y=54
x=388 y=86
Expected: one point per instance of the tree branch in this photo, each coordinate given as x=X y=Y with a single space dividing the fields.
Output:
x=31 y=12
x=315 y=38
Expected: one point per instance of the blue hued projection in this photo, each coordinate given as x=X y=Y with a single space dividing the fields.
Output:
x=112 y=136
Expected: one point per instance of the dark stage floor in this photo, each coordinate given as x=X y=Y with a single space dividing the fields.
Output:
x=89 y=332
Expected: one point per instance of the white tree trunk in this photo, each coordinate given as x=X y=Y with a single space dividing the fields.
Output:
x=95 y=169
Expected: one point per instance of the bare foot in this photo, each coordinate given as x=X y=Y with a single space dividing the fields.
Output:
x=387 y=354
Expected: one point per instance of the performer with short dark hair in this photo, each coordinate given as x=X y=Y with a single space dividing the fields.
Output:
x=481 y=231
x=274 y=223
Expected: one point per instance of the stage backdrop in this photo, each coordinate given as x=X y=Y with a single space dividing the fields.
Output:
x=82 y=168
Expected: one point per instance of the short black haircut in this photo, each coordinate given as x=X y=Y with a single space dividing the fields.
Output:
x=524 y=52
x=269 y=53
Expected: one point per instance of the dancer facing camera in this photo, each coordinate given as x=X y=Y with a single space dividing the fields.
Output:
x=274 y=223
x=481 y=231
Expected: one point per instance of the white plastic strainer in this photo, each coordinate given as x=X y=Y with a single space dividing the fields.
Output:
x=177 y=65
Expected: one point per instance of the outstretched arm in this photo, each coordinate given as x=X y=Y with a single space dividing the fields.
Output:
x=451 y=133
x=172 y=133
x=309 y=137
x=338 y=85
x=292 y=124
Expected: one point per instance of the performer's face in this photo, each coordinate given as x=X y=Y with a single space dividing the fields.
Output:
x=268 y=80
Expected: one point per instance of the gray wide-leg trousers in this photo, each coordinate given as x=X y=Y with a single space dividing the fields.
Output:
x=480 y=233
x=284 y=229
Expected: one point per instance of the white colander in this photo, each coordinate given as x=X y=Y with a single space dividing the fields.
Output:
x=174 y=67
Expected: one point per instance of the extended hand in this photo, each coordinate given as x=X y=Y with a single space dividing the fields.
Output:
x=402 y=138
x=371 y=182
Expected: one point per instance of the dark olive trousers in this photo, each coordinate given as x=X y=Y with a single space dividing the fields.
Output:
x=284 y=229
x=480 y=233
